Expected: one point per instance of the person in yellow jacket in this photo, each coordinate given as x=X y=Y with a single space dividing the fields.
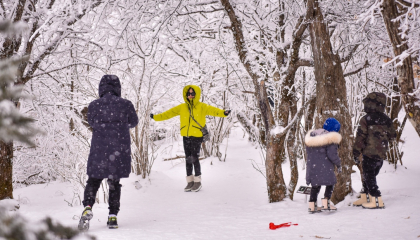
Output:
x=189 y=111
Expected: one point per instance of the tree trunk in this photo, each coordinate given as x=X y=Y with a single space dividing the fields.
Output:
x=394 y=106
x=275 y=181
x=405 y=71
x=331 y=97
x=6 y=170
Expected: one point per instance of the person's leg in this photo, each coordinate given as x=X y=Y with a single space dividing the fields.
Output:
x=326 y=203
x=328 y=191
x=314 y=193
x=196 y=145
x=375 y=200
x=114 y=196
x=92 y=186
x=188 y=153
x=312 y=199
x=188 y=166
x=371 y=168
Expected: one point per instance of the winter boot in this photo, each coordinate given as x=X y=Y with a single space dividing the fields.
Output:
x=327 y=205
x=112 y=222
x=197 y=184
x=375 y=202
x=313 y=208
x=364 y=198
x=87 y=215
x=190 y=181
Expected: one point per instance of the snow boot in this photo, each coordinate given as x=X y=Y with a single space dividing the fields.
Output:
x=112 y=222
x=364 y=198
x=327 y=205
x=313 y=208
x=190 y=181
x=375 y=202
x=197 y=184
x=87 y=215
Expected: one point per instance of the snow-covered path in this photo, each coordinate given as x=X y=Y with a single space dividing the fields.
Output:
x=233 y=203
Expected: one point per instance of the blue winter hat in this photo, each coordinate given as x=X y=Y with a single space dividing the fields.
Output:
x=332 y=125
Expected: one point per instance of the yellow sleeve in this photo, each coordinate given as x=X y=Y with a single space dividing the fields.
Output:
x=173 y=112
x=213 y=111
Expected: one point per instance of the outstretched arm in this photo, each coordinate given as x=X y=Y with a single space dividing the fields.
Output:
x=173 y=112
x=214 y=111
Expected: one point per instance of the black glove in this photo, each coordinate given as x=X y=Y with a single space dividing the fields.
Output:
x=151 y=115
x=356 y=160
x=227 y=112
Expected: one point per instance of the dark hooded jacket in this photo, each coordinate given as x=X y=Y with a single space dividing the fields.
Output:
x=375 y=129
x=322 y=152
x=110 y=117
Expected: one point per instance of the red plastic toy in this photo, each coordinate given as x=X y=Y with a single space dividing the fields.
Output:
x=288 y=224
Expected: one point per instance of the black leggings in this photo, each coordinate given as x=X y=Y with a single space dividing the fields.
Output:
x=192 y=149
x=92 y=186
x=315 y=190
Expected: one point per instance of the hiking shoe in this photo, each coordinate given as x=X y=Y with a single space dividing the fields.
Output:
x=112 y=222
x=197 y=184
x=190 y=181
x=87 y=215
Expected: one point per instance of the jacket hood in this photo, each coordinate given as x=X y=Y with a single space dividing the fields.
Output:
x=321 y=137
x=374 y=102
x=110 y=84
x=197 y=91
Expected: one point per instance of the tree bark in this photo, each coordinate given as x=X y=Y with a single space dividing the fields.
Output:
x=6 y=170
x=404 y=71
x=331 y=97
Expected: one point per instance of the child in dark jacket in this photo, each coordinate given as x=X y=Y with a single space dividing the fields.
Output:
x=373 y=135
x=322 y=152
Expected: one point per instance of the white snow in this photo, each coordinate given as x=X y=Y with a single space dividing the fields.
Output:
x=233 y=203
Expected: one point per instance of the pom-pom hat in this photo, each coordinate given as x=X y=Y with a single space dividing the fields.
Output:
x=332 y=125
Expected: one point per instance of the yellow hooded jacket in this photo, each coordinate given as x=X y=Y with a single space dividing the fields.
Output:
x=199 y=110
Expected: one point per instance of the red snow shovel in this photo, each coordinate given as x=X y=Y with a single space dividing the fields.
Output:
x=274 y=227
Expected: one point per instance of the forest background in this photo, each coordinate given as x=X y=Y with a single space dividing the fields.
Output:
x=283 y=67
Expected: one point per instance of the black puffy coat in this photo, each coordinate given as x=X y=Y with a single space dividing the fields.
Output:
x=110 y=117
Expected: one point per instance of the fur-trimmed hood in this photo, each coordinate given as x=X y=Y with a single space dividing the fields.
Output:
x=321 y=137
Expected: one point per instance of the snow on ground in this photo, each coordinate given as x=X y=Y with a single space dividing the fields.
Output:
x=233 y=202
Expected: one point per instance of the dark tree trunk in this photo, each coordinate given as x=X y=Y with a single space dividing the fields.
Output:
x=331 y=97
x=6 y=170
x=405 y=71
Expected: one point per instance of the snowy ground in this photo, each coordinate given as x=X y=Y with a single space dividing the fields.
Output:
x=233 y=203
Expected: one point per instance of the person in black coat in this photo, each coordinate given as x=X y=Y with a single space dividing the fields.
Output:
x=373 y=135
x=110 y=117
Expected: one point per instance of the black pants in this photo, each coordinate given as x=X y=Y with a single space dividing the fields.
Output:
x=315 y=190
x=192 y=149
x=92 y=186
x=371 y=168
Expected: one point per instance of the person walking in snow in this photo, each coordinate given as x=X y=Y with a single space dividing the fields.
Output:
x=374 y=132
x=322 y=152
x=110 y=117
x=193 y=119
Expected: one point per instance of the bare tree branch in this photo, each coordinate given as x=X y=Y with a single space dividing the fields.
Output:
x=204 y=11
x=358 y=70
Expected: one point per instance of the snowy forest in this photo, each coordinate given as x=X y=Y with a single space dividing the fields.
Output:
x=283 y=67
